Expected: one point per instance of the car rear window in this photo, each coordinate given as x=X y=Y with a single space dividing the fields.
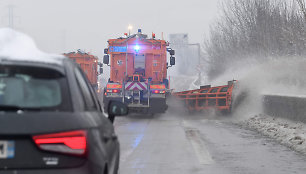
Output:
x=33 y=88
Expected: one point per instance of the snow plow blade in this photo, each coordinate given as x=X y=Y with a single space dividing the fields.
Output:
x=208 y=98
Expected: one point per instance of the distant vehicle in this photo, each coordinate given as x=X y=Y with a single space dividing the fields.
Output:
x=88 y=63
x=51 y=120
x=138 y=72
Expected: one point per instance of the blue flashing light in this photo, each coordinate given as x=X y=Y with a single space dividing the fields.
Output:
x=136 y=48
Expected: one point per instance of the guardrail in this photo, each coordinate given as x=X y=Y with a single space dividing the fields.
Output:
x=290 y=107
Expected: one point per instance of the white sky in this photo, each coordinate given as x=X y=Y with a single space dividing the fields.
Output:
x=66 y=25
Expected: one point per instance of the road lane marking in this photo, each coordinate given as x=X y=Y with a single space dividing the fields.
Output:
x=140 y=128
x=136 y=142
x=193 y=135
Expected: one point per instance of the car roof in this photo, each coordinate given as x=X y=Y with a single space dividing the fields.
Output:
x=58 y=67
x=43 y=59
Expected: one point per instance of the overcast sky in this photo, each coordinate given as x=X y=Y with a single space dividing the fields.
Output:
x=66 y=25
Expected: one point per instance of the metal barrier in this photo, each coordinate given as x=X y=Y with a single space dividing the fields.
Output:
x=207 y=97
x=290 y=107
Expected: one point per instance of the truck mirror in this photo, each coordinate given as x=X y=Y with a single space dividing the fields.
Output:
x=172 y=52
x=101 y=70
x=106 y=59
x=106 y=51
x=172 y=61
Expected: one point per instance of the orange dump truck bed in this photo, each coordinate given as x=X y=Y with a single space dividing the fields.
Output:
x=143 y=56
x=88 y=63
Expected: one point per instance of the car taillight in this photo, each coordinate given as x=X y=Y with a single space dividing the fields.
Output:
x=74 y=142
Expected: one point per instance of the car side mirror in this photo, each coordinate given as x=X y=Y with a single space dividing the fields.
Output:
x=172 y=61
x=106 y=59
x=116 y=108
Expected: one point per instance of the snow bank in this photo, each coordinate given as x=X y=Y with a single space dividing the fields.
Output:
x=289 y=133
x=18 y=46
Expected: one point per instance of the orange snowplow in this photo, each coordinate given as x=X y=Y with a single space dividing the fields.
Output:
x=207 y=97
x=88 y=63
x=138 y=72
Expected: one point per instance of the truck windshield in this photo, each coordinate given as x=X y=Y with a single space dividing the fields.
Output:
x=32 y=88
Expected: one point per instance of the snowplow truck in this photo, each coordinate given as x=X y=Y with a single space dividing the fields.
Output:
x=138 y=72
x=88 y=63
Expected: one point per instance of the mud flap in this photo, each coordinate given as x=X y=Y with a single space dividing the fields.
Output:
x=158 y=105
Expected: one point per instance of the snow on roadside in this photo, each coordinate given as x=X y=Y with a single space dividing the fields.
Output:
x=289 y=133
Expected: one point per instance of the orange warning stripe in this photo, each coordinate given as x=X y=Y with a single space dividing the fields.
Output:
x=157 y=86
x=113 y=86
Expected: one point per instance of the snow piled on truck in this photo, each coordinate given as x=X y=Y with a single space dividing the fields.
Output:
x=20 y=47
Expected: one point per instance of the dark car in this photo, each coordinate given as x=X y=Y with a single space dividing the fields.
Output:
x=51 y=120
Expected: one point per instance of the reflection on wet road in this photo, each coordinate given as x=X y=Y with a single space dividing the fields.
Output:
x=181 y=144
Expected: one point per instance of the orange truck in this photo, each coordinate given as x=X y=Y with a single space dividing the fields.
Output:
x=88 y=63
x=138 y=72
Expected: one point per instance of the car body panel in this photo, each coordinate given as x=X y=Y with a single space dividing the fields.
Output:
x=20 y=126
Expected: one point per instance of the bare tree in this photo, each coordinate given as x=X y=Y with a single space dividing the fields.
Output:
x=302 y=7
x=255 y=28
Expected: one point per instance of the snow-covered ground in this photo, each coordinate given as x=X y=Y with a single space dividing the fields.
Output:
x=289 y=133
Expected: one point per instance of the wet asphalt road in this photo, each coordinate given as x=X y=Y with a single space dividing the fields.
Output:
x=175 y=143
